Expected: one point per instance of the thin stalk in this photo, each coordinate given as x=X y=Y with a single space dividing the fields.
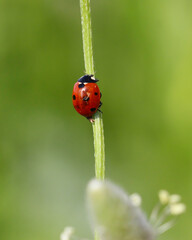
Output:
x=87 y=36
x=98 y=131
x=99 y=146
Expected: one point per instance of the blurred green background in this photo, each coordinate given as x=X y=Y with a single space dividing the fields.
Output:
x=143 y=58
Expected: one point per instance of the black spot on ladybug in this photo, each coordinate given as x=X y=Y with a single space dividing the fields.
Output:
x=74 y=97
x=93 y=109
x=81 y=85
x=86 y=98
x=96 y=93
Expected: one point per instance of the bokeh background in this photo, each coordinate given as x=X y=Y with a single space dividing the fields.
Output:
x=143 y=58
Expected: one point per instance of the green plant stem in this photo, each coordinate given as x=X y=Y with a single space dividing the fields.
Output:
x=99 y=146
x=87 y=36
x=98 y=132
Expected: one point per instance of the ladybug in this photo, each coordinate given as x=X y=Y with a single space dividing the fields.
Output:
x=86 y=96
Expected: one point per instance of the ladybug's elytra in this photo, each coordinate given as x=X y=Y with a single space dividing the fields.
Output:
x=86 y=96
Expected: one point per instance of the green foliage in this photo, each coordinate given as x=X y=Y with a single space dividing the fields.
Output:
x=143 y=59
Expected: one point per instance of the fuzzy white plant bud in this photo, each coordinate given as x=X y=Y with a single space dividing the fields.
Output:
x=174 y=198
x=170 y=206
x=136 y=199
x=164 y=197
x=113 y=214
x=177 y=208
x=67 y=233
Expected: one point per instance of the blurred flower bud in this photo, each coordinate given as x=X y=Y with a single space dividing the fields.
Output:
x=163 y=197
x=67 y=233
x=175 y=198
x=177 y=208
x=113 y=214
x=136 y=199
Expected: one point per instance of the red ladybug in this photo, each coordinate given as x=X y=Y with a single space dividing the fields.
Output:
x=86 y=96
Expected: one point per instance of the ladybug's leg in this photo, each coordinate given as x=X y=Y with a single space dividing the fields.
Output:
x=100 y=104
x=91 y=120
x=100 y=94
x=99 y=110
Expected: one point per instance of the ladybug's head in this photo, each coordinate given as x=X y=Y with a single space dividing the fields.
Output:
x=87 y=79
